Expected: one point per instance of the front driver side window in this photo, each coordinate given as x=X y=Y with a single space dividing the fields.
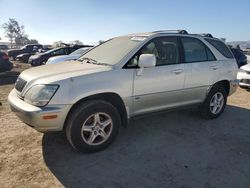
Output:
x=165 y=50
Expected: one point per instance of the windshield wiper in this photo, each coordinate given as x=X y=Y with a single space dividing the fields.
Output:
x=91 y=61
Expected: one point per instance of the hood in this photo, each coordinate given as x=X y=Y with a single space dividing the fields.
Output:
x=246 y=67
x=36 y=56
x=55 y=72
x=20 y=55
x=14 y=50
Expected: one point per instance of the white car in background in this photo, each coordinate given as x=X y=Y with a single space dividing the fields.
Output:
x=248 y=58
x=247 y=53
x=244 y=76
x=73 y=56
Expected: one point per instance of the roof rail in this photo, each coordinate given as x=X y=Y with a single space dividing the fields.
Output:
x=204 y=35
x=172 y=31
x=184 y=32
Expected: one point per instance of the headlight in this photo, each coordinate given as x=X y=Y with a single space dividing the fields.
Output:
x=40 y=95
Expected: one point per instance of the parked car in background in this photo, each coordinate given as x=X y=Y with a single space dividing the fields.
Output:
x=244 y=76
x=3 y=47
x=30 y=48
x=5 y=64
x=240 y=57
x=124 y=77
x=42 y=58
x=73 y=56
x=24 y=57
x=247 y=53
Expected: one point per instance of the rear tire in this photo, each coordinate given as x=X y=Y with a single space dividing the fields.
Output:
x=215 y=103
x=93 y=126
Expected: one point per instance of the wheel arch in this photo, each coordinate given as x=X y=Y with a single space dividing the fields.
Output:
x=110 y=97
x=223 y=83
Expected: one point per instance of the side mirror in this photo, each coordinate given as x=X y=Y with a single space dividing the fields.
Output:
x=146 y=61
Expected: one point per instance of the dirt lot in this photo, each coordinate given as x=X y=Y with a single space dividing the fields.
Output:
x=177 y=149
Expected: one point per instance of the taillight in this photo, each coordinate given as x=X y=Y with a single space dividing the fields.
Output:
x=5 y=57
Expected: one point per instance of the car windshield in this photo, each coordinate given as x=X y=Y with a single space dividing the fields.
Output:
x=52 y=50
x=24 y=47
x=79 y=51
x=112 y=51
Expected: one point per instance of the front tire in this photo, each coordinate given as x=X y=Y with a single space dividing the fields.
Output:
x=215 y=103
x=93 y=126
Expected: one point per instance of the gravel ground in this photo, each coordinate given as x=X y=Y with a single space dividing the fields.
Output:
x=176 y=149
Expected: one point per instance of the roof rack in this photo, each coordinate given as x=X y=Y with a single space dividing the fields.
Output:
x=172 y=31
x=184 y=32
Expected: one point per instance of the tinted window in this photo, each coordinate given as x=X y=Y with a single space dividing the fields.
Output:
x=194 y=50
x=221 y=47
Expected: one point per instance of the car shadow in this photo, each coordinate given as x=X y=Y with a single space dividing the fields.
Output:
x=8 y=77
x=176 y=149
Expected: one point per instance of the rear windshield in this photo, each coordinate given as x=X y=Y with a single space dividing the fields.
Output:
x=221 y=47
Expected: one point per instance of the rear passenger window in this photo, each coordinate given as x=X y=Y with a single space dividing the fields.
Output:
x=221 y=47
x=194 y=50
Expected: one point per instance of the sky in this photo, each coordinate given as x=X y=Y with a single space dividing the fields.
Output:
x=92 y=20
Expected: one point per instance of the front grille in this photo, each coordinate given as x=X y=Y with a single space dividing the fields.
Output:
x=245 y=81
x=20 y=84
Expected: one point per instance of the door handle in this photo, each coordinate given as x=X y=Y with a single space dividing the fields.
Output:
x=214 y=67
x=177 y=71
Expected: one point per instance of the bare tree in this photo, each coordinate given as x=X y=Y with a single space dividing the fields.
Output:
x=32 y=41
x=101 y=41
x=57 y=43
x=76 y=42
x=14 y=31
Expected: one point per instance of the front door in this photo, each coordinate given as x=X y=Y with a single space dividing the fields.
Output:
x=159 y=87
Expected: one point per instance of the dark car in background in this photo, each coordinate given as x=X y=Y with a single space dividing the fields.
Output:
x=5 y=64
x=28 y=49
x=40 y=59
x=24 y=57
x=240 y=57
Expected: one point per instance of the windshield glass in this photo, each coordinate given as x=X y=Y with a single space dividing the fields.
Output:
x=52 y=50
x=112 y=51
x=79 y=51
x=24 y=47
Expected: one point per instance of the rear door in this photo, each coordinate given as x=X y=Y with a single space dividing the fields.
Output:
x=159 y=87
x=201 y=69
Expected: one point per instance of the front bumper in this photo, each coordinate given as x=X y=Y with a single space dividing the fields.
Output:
x=244 y=79
x=34 y=116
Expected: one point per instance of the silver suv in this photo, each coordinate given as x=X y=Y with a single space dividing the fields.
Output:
x=126 y=76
